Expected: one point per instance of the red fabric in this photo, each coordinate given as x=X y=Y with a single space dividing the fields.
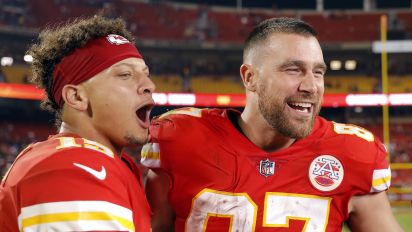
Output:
x=85 y=62
x=209 y=153
x=44 y=173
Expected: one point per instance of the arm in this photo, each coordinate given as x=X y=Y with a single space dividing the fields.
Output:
x=157 y=191
x=372 y=212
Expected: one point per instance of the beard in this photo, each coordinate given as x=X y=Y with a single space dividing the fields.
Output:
x=274 y=111
x=136 y=140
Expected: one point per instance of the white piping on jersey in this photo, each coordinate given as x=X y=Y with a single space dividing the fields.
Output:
x=381 y=180
x=150 y=155
x=80 y=215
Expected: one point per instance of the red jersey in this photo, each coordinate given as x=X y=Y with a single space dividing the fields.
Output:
x=68 y=183
x=221 y=181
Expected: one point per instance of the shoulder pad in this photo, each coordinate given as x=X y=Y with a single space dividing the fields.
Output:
x=190 y=111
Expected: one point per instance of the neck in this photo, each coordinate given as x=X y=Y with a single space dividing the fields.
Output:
x=259 y=132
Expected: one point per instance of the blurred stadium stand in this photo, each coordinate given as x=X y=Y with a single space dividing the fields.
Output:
x=20 y=74
x=195 y=47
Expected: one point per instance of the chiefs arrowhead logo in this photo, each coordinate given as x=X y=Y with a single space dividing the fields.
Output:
x=117 y=39
x=326 y=173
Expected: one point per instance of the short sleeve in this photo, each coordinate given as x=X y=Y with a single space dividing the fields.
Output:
x=381 y=178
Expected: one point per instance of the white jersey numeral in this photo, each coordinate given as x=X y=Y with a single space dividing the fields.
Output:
x=69 y=142
x=353 y=130
x=279 y=208
x=210 y=203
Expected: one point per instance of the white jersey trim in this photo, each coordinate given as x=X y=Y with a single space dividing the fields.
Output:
x=150 y=155
x=381 y=180
x=76 y=226
x=76 y=213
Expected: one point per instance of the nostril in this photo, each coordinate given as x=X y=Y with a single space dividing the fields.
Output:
x=147 y=91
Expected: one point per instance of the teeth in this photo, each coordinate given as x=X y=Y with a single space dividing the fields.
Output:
x=301 y=104
x=303 y=110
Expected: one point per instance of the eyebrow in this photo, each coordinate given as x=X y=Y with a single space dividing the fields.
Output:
x=300 y=63
x=145 y=68
x=322 y=66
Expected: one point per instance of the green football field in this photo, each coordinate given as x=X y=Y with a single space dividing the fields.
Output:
x=404 y=217
x=405 y=220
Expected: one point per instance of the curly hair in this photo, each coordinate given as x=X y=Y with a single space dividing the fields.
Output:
x=56 y=43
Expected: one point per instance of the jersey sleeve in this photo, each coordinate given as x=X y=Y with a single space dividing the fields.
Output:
x=381 y=178
x=366 y=155
x=75 y=190
x=150 y=154
x=171 y=129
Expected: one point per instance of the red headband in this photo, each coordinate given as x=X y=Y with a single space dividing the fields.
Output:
x=85 y=62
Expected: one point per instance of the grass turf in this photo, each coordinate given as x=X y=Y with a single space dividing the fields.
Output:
x=404 y=217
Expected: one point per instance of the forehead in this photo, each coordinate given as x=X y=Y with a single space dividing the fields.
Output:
x=132 y=62
x=292 y=46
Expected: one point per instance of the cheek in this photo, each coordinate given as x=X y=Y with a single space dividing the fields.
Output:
x=321 y=87
x=116 y=95
x=270 y=85
x=110 y=105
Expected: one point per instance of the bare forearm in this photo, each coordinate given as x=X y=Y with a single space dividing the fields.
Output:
x=372 y=212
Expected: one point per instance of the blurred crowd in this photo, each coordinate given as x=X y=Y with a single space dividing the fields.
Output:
x=13 y=142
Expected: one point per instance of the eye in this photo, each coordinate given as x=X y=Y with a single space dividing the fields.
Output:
x=125 y=75
x=319 y=73
x=292 y=70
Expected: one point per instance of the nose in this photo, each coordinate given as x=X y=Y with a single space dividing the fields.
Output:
x=308 y=83
x=147 y=87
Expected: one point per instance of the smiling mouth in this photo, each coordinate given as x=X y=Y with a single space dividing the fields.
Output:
x=304 y=107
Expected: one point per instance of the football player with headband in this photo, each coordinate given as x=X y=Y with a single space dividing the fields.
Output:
x=97 y=85
x=277 y=166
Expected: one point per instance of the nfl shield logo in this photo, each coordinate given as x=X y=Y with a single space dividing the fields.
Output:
x=267 y=167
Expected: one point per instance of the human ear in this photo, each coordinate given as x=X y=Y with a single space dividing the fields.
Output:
x=75 y=97
x=248 y=76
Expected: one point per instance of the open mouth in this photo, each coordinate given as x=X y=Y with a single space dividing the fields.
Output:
x=143 y=114
x=304 y=107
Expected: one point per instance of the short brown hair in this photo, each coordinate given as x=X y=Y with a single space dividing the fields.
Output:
x=282 y=25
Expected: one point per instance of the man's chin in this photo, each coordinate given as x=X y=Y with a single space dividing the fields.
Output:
x=300 y=130
x=137 y=140
x=306 y=130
